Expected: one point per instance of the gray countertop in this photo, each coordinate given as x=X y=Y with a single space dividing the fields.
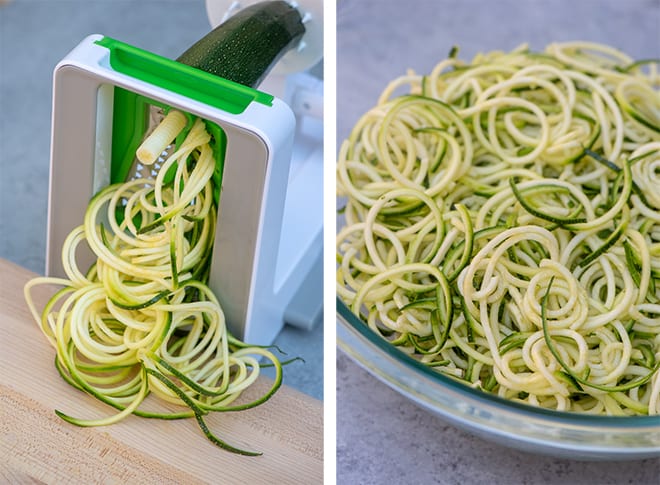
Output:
x=382 y=437
x=34 y=36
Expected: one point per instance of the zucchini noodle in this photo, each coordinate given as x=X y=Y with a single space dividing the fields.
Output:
x=502 y=225
x=141 y=320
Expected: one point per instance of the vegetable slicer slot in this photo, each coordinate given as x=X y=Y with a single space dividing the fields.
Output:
x=123 y=120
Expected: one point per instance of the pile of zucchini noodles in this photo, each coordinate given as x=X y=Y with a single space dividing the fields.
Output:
x=142 y=320
x=502 y=225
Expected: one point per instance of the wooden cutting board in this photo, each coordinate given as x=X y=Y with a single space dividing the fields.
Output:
x=36 y=446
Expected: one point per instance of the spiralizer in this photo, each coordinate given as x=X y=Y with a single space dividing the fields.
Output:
x=265 y=265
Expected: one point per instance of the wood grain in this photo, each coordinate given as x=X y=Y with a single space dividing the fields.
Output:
x=36 y=446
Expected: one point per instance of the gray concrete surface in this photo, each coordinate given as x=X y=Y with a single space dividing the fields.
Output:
x=34 y=36
x=382 y=437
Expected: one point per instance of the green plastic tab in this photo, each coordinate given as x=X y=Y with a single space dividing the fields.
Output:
x=179 y=78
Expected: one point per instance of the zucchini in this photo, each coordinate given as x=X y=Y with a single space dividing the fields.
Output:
x=245 y=47
x=544 y=171
x=142 y=304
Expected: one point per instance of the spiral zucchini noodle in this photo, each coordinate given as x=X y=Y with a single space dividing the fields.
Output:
x=502 y=225
x=142 y=320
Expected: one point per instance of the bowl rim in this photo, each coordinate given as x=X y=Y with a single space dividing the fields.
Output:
x=346 y=317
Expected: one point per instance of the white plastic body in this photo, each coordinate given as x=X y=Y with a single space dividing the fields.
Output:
x=253 y=279
x=302 y=232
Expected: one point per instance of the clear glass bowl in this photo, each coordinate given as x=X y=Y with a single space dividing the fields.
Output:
x=508 y=423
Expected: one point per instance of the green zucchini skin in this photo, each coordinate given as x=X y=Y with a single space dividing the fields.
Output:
x=245 y=47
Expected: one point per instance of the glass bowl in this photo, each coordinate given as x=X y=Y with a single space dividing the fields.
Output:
x=516 y=425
